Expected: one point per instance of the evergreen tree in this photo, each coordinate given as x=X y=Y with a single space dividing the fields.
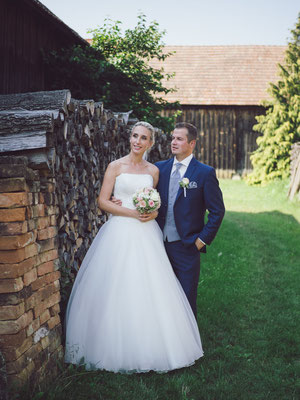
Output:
x=281 y=124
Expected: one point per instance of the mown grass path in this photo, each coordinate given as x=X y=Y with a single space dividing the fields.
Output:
x=249 y=313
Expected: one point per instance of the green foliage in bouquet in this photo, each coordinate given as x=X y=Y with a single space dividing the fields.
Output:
x=281 y=124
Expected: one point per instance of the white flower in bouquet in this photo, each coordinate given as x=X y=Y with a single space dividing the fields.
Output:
x=155 y=196
x=146 y=200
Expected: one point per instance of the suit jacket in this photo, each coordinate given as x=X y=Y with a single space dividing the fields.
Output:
x=202 y=194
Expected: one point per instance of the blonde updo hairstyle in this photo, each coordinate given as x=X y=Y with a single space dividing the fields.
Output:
x=147 y=126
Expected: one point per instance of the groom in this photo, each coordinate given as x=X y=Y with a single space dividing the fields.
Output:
x=184 y=204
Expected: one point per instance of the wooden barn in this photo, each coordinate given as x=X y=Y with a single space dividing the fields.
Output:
x=220 y=89
x=26 y=28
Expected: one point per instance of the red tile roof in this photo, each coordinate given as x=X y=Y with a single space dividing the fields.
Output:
x=221 y=75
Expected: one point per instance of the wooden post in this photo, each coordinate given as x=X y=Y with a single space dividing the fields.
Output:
x=295 y=171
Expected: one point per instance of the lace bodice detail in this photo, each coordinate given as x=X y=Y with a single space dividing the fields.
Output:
x=126 y=185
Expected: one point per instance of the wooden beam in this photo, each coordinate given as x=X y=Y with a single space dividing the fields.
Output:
x=16 y=121
x=54 y=100
x=23 y=141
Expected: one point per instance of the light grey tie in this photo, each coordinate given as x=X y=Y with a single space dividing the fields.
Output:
x=174 y=183
x=170 y=230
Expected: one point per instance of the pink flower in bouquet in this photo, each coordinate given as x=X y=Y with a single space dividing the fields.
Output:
x=146 y=200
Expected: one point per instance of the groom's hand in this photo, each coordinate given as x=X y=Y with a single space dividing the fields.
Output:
x=199 y=244
x=148 y=217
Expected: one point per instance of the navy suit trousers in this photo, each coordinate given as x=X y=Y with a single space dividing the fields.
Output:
x=186 y=265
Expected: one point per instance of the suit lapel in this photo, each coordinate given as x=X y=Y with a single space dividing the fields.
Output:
x=188 y=174
x=166 y=179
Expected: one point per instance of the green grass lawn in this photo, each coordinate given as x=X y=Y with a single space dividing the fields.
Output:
x=249 y=313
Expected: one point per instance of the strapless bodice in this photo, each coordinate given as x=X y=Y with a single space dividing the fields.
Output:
x=127 y=184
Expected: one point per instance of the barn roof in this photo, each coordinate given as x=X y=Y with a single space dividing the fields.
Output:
x=221 y=75
x=48 y=15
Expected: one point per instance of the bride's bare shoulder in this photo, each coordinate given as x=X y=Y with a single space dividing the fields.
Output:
x=116 y=165
x=153 y=170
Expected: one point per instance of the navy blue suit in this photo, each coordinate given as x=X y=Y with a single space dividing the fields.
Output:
x=202 y=194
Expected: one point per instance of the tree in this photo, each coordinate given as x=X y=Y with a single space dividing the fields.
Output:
x=88 y=75
x=131 y=53
x=115 y=70
x=280 y=125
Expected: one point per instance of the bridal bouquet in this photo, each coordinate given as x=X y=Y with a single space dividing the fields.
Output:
x=146 y=200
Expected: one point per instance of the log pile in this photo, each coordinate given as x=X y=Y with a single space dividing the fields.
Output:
x=73 y=141
x=54 y=100
x=30 y=328
x=3 y=378
x=93 y=138
x=53 y=154
x=28 y=122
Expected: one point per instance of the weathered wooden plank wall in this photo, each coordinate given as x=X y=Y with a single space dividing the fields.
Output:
x=226 y=137
x=25 y=29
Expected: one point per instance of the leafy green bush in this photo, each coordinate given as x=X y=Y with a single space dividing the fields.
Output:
x=116 y=70
x=88 y=75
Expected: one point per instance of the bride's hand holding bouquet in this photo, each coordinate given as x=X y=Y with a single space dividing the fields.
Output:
x=147 y=202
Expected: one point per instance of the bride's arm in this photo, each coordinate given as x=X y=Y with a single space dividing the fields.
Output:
x=104 y=201
x=155 y=176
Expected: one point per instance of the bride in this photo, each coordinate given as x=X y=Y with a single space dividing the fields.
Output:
x=127 y=311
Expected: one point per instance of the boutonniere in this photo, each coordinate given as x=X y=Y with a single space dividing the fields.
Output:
x=184 y=183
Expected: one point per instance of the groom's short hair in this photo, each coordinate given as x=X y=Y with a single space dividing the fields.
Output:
x=192 y=130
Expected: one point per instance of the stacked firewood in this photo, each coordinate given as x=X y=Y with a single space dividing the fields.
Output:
x=30 y=325
x=90 y=139
x=71 y=142
x=66 y=145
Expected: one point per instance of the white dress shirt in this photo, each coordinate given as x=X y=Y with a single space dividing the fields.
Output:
x=182 y=170
x=185 y=163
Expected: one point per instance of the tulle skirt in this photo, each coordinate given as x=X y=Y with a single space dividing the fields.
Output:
x=127 y=311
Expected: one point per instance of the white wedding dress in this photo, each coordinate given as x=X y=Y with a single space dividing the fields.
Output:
x=127 y=311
